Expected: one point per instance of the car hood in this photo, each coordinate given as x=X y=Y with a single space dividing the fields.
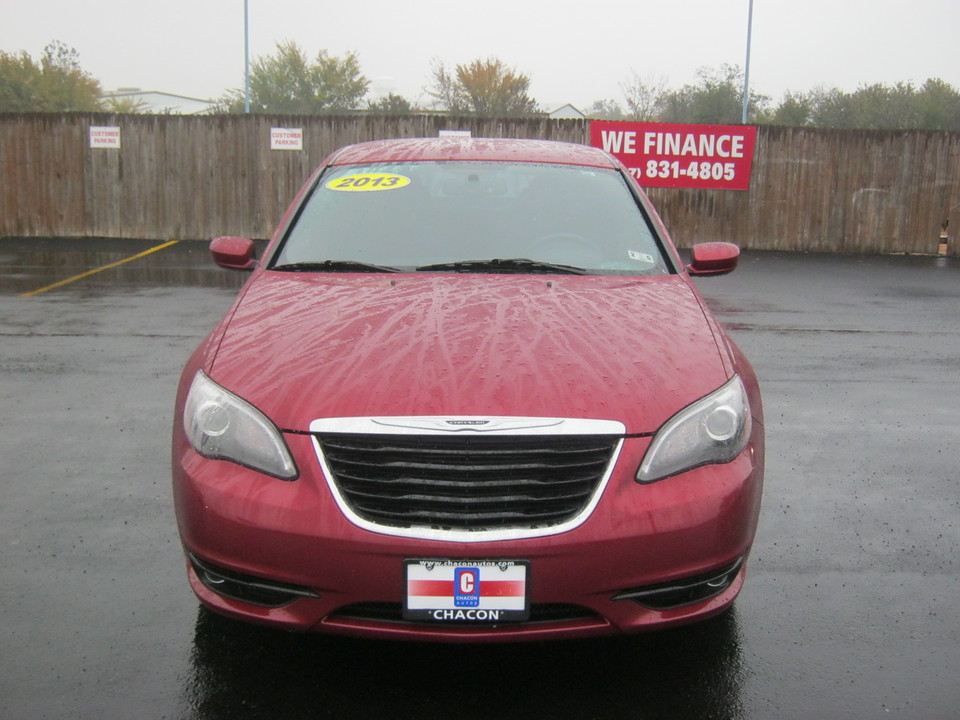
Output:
x=306 y=346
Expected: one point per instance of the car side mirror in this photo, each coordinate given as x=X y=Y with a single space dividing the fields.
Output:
x=233 y=253
x=713 y=258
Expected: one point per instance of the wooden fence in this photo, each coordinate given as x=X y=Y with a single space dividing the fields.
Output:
x=189 y=177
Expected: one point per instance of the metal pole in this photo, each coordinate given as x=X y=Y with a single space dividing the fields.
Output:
x=246 y=56
x=746 y=72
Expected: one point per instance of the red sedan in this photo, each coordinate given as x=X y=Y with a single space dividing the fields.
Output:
x=469 y=392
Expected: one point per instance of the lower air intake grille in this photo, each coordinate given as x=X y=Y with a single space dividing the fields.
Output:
x=392 y=612
x=466 y=482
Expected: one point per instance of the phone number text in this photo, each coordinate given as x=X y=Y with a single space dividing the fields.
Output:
x=674 y=169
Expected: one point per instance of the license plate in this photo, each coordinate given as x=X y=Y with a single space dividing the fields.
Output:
x=471 y=591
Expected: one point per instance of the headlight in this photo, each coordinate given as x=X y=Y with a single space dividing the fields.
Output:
x=715 y=429
x=220 y=425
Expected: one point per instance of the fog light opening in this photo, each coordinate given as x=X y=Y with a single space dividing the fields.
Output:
x=685 y=591
x=245 y=588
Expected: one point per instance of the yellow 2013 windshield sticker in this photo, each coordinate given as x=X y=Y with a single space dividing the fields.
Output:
x=368 y=182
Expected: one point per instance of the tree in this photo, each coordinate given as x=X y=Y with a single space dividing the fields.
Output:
x=901 y=106
x=796 y=110
x=831 y=108
x=482 y=87
x=56 y=84
x=390 y=105
x=606 y=110
x=869 y=107
x=289 y=82
x=717 y=97
x=938 y=106
x=644 y=97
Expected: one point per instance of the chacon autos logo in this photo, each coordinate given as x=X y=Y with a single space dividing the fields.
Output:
x=469 y=423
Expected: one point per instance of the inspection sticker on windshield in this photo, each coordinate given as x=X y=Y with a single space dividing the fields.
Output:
x=484 y=591
x=368 y=182
x=643 y=257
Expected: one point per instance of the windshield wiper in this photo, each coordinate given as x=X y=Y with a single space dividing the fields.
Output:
x=334 y=266
x=498 y=265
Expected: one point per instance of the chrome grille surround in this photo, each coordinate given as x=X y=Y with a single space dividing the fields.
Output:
x=417 y=442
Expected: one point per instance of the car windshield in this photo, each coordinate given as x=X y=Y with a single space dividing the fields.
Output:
x=453 y=216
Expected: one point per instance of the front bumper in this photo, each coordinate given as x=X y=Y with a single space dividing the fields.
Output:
x=648 y=557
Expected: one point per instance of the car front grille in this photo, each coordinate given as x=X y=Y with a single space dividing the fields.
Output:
x=467 y=482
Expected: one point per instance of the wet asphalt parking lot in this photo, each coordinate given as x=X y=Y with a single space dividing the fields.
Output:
x=850 y=610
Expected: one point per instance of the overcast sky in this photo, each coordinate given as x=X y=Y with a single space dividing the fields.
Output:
x=574 y=52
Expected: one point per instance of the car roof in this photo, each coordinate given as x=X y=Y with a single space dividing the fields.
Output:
x=472 y=149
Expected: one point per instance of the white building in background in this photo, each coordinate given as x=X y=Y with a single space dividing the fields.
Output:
x=566 y=112
x=153 y=102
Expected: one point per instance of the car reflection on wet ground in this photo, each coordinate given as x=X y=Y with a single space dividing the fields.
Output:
x=849 y=611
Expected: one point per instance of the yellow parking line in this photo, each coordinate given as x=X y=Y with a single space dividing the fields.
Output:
x=88 y=273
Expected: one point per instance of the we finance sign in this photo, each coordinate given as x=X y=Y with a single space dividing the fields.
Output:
x=681 y=156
